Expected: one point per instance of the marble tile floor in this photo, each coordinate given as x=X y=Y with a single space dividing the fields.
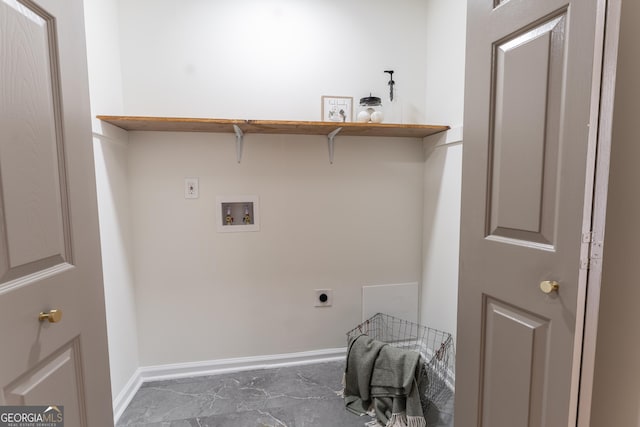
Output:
x=297 y=396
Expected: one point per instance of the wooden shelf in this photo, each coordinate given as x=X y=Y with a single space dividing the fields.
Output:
x=176 y=124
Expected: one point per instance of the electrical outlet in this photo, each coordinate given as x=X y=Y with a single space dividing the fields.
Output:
x=324 y=298
x=191 y=188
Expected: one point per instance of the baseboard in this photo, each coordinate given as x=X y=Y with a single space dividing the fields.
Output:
x=212 y=367
x=123 y=398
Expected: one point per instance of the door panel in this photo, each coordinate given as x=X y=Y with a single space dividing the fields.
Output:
x=33 y=202
x=513 y=388
x=59 y=375
x=47 y=207
x=529 y=86
x=527 y=83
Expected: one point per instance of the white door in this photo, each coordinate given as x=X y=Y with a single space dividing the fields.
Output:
x=49 y=242
x=530 y=96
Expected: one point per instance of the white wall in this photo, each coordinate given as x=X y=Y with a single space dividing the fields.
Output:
x=446 y=39
x=256 y=59
x=103 y=54
x=110 y=154
x=443 y=166
x=441 y=235
x=357 y=222
x=111 y=157
x=616 y=394
x=206 y=295
x=203 y=295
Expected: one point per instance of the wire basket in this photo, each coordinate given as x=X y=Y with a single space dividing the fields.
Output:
x=435 y=348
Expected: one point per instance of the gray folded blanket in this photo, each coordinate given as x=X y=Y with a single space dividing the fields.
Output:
x=383 y=378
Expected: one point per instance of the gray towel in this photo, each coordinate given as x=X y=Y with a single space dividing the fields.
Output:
x=384 y=378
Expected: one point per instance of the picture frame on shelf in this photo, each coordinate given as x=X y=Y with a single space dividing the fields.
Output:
x=337 y=109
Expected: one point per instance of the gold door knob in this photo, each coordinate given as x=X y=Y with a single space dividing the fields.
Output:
x=549 y=286
x=54 y=316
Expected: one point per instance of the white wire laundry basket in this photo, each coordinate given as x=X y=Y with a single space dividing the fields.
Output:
x=435 y=348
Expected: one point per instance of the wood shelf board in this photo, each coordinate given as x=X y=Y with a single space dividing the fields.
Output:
x=176 y=124
x=169 y=124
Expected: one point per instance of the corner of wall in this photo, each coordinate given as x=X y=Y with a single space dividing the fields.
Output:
x=441 y=235
x=110 y=159
x=443 y=164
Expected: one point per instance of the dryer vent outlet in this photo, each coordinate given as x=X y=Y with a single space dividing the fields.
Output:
x=324 y=297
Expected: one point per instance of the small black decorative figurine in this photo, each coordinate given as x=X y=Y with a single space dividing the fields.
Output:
x=391 y=83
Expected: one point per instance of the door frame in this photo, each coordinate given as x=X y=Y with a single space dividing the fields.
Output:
x=600 y=139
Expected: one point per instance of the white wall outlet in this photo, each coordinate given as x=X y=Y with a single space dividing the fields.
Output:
x=191 y=188
x=324 y=298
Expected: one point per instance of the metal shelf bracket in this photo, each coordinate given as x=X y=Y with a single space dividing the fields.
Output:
x=239 y=142
x=330 y=141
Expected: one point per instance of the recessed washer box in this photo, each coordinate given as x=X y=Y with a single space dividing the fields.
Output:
x=237 y=214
